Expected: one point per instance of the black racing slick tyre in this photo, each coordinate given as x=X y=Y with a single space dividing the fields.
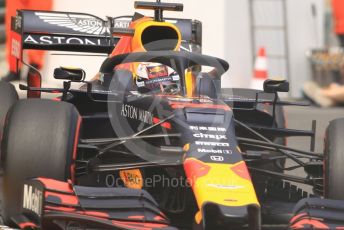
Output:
x=40 y=140
x=8 y=96
x=334 y=160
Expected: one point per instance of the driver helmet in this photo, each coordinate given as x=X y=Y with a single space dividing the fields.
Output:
x=155 y=77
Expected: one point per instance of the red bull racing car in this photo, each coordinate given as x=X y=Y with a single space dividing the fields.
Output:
x=152 y=141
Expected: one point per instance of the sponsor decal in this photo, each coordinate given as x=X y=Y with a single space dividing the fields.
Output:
x=129 y=111
x=216 y=158
x=152 y=74
x=210 y=136
x=15 y=48
x=15 y=51
x=157 y=71
x=77 y=22
x=219 y=151
x=230 y=187
x=204 y=128
x=211 y=147
x=158 y=80
x=49 y=40
x=140 y=83
x=206 y=143
x=214 y=151
x=175 y=77
x=121 y=23
x=212 y=133
x=132 y=178
x=32 y=199
x=135 y=113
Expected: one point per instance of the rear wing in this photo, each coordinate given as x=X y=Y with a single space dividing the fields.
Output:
x=80 y=32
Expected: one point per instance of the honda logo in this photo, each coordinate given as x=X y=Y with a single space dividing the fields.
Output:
x=216 y=158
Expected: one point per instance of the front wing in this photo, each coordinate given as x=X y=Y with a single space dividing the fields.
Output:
x=51 y=204
x=316 y=213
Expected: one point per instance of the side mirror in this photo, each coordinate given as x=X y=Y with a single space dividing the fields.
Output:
x=69 y=73
x=274 y=86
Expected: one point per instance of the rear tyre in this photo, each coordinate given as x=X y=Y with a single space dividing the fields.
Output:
x=40 y=139
x=334 y=160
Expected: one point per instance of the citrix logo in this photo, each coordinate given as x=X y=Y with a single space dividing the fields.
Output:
x=210 y=136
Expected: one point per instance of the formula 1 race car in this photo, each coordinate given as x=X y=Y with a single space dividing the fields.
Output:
x=152 y=141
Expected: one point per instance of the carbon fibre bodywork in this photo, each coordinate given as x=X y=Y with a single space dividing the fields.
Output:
x=52 y=204
x=185 y=156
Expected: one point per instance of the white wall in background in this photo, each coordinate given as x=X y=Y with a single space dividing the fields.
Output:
x=237 y=45
x=225 y=32
x=305 y=33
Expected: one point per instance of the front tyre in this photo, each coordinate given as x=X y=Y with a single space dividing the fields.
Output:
x=40 y=138
x=8 y=96
x=334 y=160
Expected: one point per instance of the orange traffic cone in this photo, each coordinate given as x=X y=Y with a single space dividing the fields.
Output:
x=260 y=70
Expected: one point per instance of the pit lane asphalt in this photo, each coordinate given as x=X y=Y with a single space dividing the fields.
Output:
x=301 y=118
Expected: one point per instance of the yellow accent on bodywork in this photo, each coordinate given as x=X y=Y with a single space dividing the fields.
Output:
x=137 y=45
x=221 y=185
x=132 y=178
x=190 y=83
